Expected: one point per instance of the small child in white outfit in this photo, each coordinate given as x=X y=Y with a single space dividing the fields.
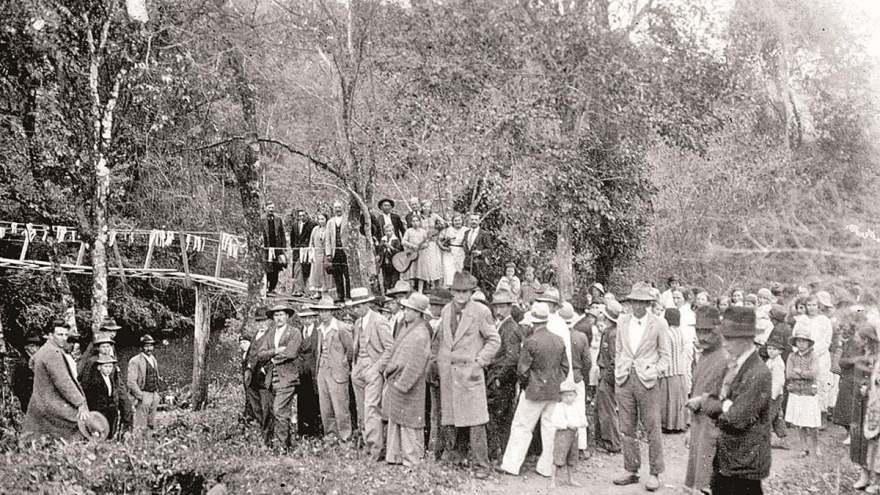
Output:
x=567 y=417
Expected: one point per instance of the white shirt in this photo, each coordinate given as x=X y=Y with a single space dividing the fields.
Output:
x=636 y=331
x=107 y=382
x=278 y=332
x=71 y=364
x=387 y=217
x=151 y=360
x=472 y=236
x=326 y=329
x=307 y=331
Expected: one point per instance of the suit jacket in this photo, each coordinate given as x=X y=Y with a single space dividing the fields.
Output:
x=56 y=397
x=462 y=355
x=341 y=350
x=299 y=238
x=96 y=392
x=580 y=356
x=308 y=352
x=543 y=365
x=503 y=366
x=330 y=235
x=481 y=243
x=281 y=368
x=649 y=359
x=137 y=373
x=379 y=340
x=254 y=371
x=276 y=225
x=605 y=357
x=403 y=401
x=743 y=449
x=378 y=223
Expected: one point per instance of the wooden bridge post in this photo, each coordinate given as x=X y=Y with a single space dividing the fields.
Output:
x=200 y=346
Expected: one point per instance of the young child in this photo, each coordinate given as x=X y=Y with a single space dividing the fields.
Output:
x=774 y=347
x=567 y=417
x=803 y=408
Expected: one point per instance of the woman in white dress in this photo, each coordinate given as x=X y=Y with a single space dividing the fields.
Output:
x=433 y=224
x=416 y=239
x=452 y=248
x=319 y=280
x=819 y=326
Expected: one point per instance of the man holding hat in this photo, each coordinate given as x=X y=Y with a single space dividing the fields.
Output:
x=372 y=348
x=334 y=353
x=258 y=391
x=741 y=410
x=501 y=374
x=542 y=367
x=143 y=385
x=58 y=403
x=275 y=242
x=308 y=414
x=468 y=342
x=607 y=422
x=708 y=375
x=279 y=354
x=641 y=353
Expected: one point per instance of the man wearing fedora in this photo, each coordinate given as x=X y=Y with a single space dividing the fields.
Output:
x=275 y=242
x=641 y=353
x=258 y=389
x=501 y=374
x=387 y=217
x=476 y=245
x=300 y=235
x=334 y=353
x=468 y=343
x=372 y=347
x=335 y=246
x=542 y=367
x=143 y=385
x=280 y=355
x=58 y=402
x=741 y=410
x=399 y=292
x=308 y=415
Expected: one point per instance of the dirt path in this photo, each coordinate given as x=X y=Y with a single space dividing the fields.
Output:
x=597 y=473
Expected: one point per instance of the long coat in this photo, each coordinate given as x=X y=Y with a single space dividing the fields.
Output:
x=743 y=449
x=461 y=358
x=56 y=398
x=404 y=395
x=286 y=364
x=708 y=375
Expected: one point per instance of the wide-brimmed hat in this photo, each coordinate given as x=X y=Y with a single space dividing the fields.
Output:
x=480 y=297
x=640 y=292
x=385 y=200
x=102 y=338
x=418 y=302
x=566 y=312
x=33 y=339
x=612 y=310
x=260 y=314
x=439 y=297
x=110 y=325
x=148 y=339
x=502 y=296
x=672 y=278
x=539 y=313
x=766 y=294
x=776 y=341
x=105 y=359
x=777 y=289
x=359 y=295
x=400 y=287
x=307 y=313
x=599 y=287
x=325 y=304
x=801 y=333
x=738 y=322
x=707 y=318
x=673 y=317
x=278 y=308
x=550 y=295
x=463 y=281
x=752 y=298
x=778 y=313
x=824 y=299
x=93 y=425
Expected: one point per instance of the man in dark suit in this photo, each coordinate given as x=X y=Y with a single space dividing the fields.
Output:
x=475 y=244
x=308 y=414
x=386 y=216
x=275 y=241
x=741 y=410
x=300 y=234
x=257 y=390
x=501 y=375
x=542 y=367
x=415 y=210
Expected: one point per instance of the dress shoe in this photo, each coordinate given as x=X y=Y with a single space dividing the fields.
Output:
x=629 y=479
x=652 y=484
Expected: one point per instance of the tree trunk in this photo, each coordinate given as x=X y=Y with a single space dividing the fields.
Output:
x=564 y=260
x=200 y=347
x=62 y=286
x=99 y=242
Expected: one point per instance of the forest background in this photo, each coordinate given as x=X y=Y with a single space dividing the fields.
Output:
x=729 y=142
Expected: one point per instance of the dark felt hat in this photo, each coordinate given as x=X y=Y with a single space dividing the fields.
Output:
x=33 y=339
x=102 y=338
x=110 y=325
x=385 y=200
x=147 y=339
x=739 y=322
x=673 y=317
x=105 y=359
x=778 y=313
x=440 y=297
x=278 y=308
x=463 y=281
x=776 y=341
x=260 y=314
x=708 y=318
x=93 y=425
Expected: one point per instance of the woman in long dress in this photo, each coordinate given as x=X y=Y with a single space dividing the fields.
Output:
x=452 y=249
x=674 y=383
x=416 y=239
x=319 y=280
x=433 y=224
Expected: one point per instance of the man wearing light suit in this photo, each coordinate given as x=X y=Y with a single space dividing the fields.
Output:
x=280 y=349
x=372 y=349
x=334 y=354
x=641 y=353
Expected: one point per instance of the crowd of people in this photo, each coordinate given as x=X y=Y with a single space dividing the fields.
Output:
x=433 y=367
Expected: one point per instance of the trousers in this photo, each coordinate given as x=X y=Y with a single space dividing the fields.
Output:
x=333 y=402
x=635 y=402
x=528 y=413
x=405 y=445
x=724 y=485
x=607 y=422
x=368 y=398
x=308 y=416
x=501 y=400
x=479 y=448
x=145 y=411
x=341 y=279
x=282 y=410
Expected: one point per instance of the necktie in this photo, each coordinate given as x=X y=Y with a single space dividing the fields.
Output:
x=728 y=379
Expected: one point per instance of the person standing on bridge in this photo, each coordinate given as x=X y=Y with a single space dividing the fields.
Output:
x=275 y=241
x=335 y=245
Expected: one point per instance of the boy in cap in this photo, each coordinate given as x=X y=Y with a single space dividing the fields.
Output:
x=569 y=417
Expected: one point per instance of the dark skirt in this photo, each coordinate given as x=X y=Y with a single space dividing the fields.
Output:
x=858 y=447
x=843 y=408
x=673 y=393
